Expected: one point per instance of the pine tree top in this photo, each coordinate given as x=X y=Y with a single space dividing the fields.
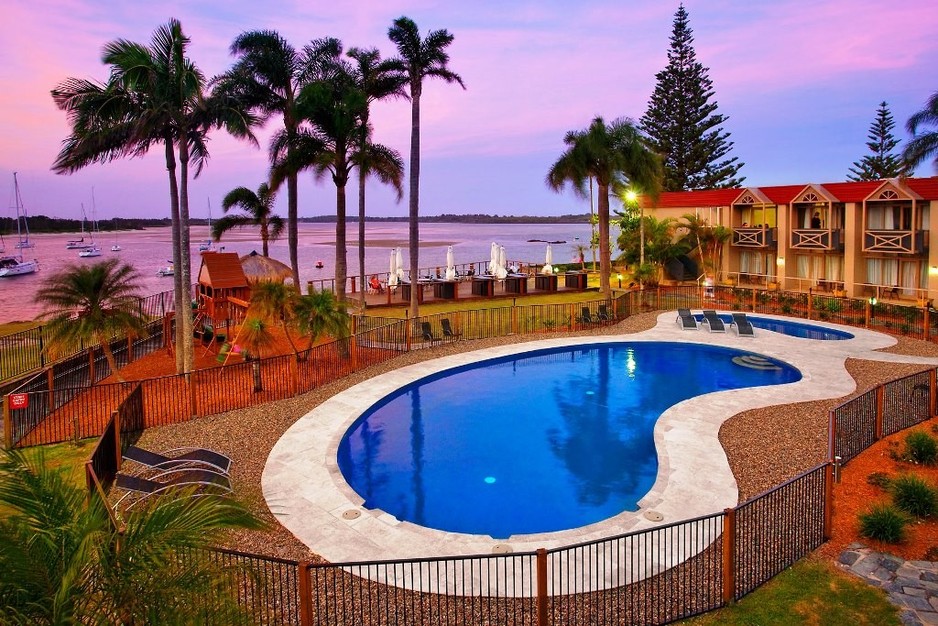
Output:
x=682 y=122
x=883 y=163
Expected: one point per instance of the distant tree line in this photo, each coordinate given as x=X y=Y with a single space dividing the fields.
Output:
x=45 y=224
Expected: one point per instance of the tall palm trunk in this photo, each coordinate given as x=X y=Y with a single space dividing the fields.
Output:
x=605 y=259
x=292 y=231
x=105 y=344
x=361 y=230
x=413 y=216
x=341 y=260
x=184 y=316
x=178 y=299
x=265 y=239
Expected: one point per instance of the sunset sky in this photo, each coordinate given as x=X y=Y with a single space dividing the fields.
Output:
x=799 y=81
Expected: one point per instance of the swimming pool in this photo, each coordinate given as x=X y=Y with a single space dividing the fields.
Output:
x=542 y=441
x=790 y=328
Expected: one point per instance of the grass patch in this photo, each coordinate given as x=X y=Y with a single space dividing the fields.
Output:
x=922 y=448
x=70 y=456
x=914 y=496
x=883 y=522
x=810 y=592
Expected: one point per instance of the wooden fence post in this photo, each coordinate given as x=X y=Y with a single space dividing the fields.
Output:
x=729 y=555
x=193 y=400
x=832 y=435
x=880 y=405
x=925 y=322
x=295 y=373
x=353 y=343
x=658 y=298
x=542 y=605
x=931 y=392
x=828 y=499
x=868 y=314
x=572 y=323
x=7 y=424
x=305 y=600
x=810 y=303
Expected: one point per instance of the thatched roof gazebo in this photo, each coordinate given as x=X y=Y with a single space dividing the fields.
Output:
x=258 y=267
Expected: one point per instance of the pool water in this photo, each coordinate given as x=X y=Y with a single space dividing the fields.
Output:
x=790 y=328
x=543 y=441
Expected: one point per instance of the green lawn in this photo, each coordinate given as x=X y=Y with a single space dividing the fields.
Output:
x=811 y=592
x=70 y=456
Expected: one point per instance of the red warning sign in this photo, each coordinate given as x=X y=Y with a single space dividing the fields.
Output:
x=19 y=400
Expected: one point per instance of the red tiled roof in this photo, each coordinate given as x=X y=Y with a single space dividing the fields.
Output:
x=927 y=188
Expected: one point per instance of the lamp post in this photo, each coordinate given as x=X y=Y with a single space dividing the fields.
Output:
x=619 y=276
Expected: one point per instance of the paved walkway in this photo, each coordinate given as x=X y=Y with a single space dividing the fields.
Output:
x=910 y=585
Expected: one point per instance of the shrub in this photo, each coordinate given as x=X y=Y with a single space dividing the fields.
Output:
x=883 y=522
x=920 y=447
x=879 y=479
x=914 y=496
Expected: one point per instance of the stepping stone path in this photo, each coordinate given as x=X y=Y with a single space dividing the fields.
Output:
x=910 y=585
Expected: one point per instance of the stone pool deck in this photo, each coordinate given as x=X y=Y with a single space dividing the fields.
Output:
x=306 y=492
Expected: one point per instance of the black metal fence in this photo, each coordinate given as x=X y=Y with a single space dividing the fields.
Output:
x=860 y=422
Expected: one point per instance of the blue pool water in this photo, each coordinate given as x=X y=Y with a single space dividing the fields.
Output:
x=544 y=441
x=793 y=329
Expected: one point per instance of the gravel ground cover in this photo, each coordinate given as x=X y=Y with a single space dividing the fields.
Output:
x=764 y=446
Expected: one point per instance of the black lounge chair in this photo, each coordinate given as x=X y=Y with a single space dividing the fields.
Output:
x=743 y=325
x=189 y=458
x=428 y=333
x=603 y=313
x=586 y=317
x=202 y=481
x=448 y=332
x=685 y=320
x=713 y=321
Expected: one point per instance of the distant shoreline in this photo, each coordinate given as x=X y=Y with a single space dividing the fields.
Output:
x=45 y=224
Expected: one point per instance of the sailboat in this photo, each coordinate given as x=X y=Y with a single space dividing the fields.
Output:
x=16 y=265
x=207 y=245
x=93 y=249
x=79 y=244
x=116 y=247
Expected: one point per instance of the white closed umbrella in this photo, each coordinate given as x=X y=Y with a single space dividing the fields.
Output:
x=450 y=264
x=392 y=273
x=501 y=271
x=548 y=259
x=400 y=265
x=493 y=259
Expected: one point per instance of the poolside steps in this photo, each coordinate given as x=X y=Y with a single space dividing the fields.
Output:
x=755 y=362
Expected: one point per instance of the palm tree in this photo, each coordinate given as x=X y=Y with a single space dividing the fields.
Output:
x=614 y=154
x=155 y=95
x=64 y=562
x=273 y=301
x=86 y=304
x=378 y=80
x=319 y=313
x=707 y=239
x=925 y=146
x=267 y=77
x=419 y=58
x=258 y=211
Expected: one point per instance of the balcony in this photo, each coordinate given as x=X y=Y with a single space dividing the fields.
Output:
x=817 y=239
x=755 y=237
x=903 y=241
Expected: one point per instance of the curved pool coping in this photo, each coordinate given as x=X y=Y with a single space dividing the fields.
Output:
x=306 y=492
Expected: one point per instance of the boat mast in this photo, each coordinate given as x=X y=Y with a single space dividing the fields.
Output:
x=18 y=200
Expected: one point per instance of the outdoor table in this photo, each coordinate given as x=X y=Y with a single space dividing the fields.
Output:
x=445 y=289
x=516 y=283
x=483 y=287
x=545 y=282
x=575 y=280
x=405 y=292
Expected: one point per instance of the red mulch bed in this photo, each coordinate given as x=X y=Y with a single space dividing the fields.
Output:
x=854 y=495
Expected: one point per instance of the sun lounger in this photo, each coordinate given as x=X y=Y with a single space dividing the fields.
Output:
x=685 y=320
x=203 y=482
x=603 y=313
x=188 y=457
x=586 y=317
x=713 y=321
x=743 y=325
x=428 y=333
x=448 y=332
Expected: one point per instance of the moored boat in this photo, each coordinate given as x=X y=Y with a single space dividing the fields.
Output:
x=16 y=265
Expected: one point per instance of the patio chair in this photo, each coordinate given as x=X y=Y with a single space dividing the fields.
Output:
x=586 y=317
x=685 y=320
x=428 y=333
x=603 y=313
x=189 y=458
x=743 y=325
x=448 y=332
x=200 y=481
x=713 y=321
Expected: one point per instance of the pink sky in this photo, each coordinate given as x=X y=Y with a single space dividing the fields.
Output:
x=800 y=83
